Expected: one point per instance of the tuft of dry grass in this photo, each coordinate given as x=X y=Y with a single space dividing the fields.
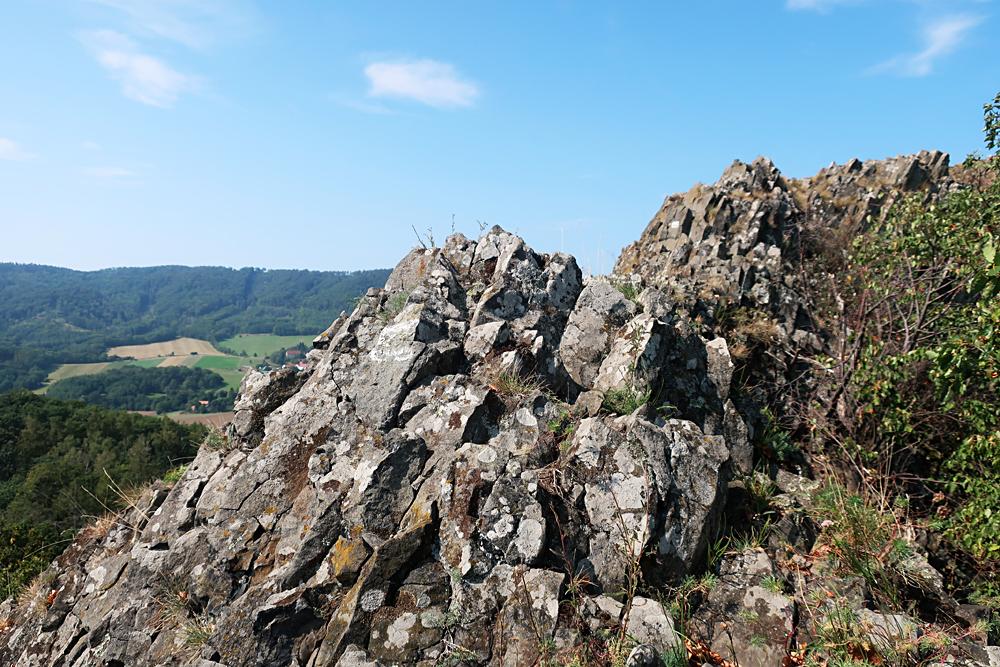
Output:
x=510 y=384
x=36 y=597
x=100 y=526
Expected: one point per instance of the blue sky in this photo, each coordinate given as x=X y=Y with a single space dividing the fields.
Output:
x=315 y=134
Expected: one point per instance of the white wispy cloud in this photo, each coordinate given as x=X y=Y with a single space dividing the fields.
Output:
x=143 y=78
x=193 y=23
x=11 y=151
x=426 y=81
x=940 y=37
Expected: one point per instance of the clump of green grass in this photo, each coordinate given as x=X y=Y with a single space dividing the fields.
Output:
x=393 y=306
x=628 y=289
x=197 y=631
x=562 y=427
x=862 y=533
x=676 y=656
x=174 y=475
x=773 y=584
x=624 y=400
x=215 y=439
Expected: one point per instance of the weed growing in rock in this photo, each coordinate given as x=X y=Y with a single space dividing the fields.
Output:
x=773 y=584
x=629 y=289
x=624 y=400
x=753 y=537
x=761 y=489
x=393 y=306
x=511 y=384
x=675 y=657
x=197 y=631
x=775 y=442
x=174 y=475
x=216 y=440
x=562 y=426
x=172 y=606
x=34 y=598
x=457 y=655
x=691 y=592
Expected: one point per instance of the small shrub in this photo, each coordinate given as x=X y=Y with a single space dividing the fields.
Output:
x=775 y=442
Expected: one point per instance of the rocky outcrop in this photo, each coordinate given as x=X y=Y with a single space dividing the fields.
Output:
x=423 y=493
x=739 y=241
x=495 y=461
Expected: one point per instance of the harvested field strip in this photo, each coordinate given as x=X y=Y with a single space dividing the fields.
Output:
x=217 y=419
x=177 y=347
x=189 y=360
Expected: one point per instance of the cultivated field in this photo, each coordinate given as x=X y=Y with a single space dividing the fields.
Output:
x=232 y=369
x=189 y=360
x=177 y=347
x=75 y=370
x=216 y=419
x=261 y=345
x=178 y=353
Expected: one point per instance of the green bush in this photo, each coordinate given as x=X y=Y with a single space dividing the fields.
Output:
x=926 y=388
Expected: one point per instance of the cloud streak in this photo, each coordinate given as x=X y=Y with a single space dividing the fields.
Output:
x=12 y=152
x=428 y=82
x=941 y=38
x=194 y=23
x=142 y=77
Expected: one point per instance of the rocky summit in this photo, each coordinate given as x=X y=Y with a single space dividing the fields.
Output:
x=496 y=460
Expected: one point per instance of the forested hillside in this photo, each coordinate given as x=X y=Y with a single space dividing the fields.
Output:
x=59 y=461
x=50 y=315
x=170 y=389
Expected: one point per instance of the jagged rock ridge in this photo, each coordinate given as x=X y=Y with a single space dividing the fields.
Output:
x=408 y=494
x=450 y=481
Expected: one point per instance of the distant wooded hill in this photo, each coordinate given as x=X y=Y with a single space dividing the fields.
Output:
x=50 y=315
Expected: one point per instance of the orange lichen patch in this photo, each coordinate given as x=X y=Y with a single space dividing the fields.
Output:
x=347 y=556
x=417 y=516
x=264 y=563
